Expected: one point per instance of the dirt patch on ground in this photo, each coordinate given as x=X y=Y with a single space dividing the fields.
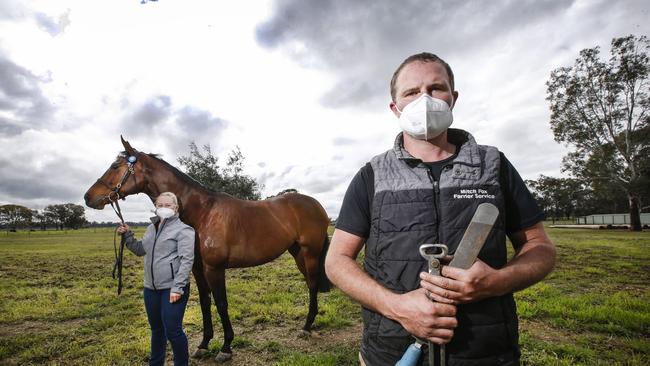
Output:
x=268 y=341
x=31 y=326
x=542 y=331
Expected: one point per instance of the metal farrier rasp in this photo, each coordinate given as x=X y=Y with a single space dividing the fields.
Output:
x=466 y=253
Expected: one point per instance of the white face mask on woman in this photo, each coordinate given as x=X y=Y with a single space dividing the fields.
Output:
x=164 y=212
x=425 y=117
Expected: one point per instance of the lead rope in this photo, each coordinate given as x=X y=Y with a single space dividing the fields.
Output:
x=117 y=267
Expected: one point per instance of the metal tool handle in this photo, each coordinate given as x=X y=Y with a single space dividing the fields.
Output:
x=434 y=253
x=439 y=251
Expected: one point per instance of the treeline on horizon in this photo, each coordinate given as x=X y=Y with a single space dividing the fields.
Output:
x=568 y=198
x=56 y=216
x=53 y=217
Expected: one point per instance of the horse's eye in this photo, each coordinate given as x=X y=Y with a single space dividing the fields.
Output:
x=115 y=165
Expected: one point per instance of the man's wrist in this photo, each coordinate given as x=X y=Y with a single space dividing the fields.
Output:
x=498 y=282
x=389 y=307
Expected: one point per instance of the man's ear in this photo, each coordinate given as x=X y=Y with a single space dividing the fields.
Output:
x=455 y=94
x=393 y=107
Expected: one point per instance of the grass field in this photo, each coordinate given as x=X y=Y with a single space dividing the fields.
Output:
x=60 y=306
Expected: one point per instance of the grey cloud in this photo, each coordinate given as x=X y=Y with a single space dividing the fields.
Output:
x=197 y=121
x=362 y=42
x=150 y=114
x=22 y=99
x=286 y=171
x=342 y=141
x=193 y=122
x=52 y=26
x=320 y=185
x=278 y=29
x=11 y=10
x=8 y=128
x=354 y=92
x=32 y=188
x=15 y=10
x=533 y=152
x=265 y=178
x=196 y=125
x=16 y=81
x=58 y=180
x=261 y=164
x=306 y=179
x=332 y=208
x=158 y=117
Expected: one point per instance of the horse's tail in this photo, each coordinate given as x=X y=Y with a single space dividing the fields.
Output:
x=324 y=284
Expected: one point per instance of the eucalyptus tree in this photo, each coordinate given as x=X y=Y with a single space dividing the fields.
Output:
x=601 y=110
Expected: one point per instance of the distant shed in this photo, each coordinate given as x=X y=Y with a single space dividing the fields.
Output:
x=611 y=219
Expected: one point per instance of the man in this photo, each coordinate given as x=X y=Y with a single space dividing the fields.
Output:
x=425 y=190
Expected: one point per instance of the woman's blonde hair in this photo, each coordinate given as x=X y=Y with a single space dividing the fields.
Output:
x=170 y=195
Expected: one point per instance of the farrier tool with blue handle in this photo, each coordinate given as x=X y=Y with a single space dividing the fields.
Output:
x=466 y=253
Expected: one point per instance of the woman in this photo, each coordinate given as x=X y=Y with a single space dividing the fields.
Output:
x=168 y=250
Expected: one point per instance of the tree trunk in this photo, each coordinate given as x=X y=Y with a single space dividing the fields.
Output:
x=635 y=215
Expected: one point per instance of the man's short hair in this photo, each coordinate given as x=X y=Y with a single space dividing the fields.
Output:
x=422 y=57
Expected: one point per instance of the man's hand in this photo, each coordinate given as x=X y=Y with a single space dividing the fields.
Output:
x=460 y=286
x=173 y=297
x=425 y=319
x=533 y=260
x=417 y=314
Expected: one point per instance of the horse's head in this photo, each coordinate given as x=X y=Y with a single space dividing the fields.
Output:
x=124 y=177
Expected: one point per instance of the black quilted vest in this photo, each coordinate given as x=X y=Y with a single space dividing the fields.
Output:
x=410 y=208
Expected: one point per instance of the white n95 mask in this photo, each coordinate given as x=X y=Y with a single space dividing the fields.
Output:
x=425 y=117
x=165 y=212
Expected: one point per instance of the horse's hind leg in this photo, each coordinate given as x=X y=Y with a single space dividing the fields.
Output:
x=216 y=278
x=204 y=296
x=294 y=250
x=311 y=263
x=308 y=266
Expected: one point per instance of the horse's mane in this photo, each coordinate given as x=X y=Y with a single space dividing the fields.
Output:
x=183 y=176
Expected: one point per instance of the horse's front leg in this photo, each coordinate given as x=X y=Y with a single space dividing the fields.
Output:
x=204 y=296
x=216 y=278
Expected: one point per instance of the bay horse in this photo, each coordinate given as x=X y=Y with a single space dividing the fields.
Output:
x=230 y=233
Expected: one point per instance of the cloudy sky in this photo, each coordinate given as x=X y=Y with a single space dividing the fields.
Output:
x=300 y=86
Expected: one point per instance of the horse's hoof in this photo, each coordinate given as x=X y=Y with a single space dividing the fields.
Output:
x=200 y=353
x=304 y=334
x=223 y=357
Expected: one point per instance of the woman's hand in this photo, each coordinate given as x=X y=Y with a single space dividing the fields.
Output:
x=173 y=297
x=122 y=228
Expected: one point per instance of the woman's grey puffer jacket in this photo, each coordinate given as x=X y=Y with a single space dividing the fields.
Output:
x=168 y=253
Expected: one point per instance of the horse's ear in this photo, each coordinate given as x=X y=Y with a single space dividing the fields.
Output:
x=127 y=146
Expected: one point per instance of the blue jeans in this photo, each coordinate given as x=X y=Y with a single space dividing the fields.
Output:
x=166 y=322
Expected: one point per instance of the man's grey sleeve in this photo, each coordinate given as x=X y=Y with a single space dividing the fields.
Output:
x=186 y=256
x=133 y=244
